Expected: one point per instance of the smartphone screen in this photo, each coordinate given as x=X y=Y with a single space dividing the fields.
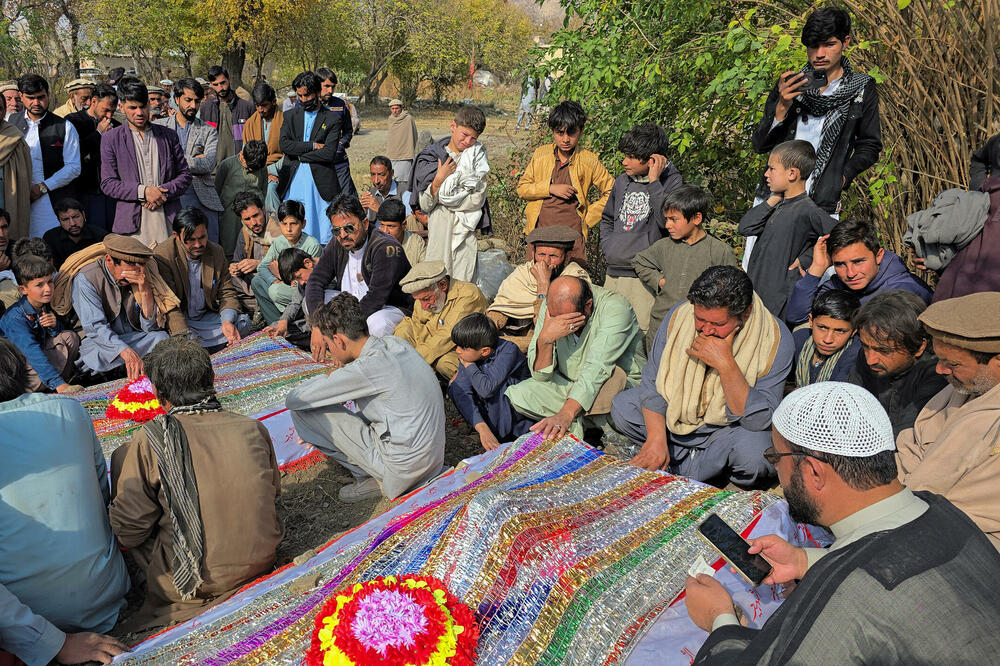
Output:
x=815 y=79
x=734 y=548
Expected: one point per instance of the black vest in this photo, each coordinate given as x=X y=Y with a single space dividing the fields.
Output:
x=51 y=136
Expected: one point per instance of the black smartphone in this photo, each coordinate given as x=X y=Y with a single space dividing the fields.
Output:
x=734 y=548
x=815 y=79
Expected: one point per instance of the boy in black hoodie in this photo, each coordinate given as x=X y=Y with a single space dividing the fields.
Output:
x=629 y=223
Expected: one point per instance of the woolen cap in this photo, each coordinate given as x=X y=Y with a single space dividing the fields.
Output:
x=79 y=84
x=127 y=248
x=395 y=102
x=7 y=85
x=970 y=322
x=423 y=275
x=835 y=417
x=556 y=236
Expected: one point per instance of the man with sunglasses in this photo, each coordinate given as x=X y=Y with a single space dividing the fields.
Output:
x=364 y=262
x=906 y=579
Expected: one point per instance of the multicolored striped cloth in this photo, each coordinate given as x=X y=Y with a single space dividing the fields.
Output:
x=565 y=554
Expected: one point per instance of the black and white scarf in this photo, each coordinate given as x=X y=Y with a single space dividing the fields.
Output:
x=169 y=443
x=833 y=109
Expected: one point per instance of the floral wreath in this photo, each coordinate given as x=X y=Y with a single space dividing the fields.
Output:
x=395 y=621
x=136 y=402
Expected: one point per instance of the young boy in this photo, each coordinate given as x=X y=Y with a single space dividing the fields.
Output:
x=272 y=294
x=294 y=266
x=451 y=186
x=31 y=325
x=827 y=348
x=670 y=265
x=487 y=366
x=558 y=179
x=787 y=225
x=631 y=220
x=391 y=219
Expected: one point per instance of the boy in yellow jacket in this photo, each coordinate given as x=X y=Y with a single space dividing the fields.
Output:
x=559 y=176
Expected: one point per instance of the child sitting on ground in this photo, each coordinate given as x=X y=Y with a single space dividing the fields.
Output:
x=488 y=364
x=273 y=295
x=787 y=225
x=631 y=220
x=450 y=184
x=33 y=327
x=670 y=265
x=557 y=181
x=826 y=349
x=295 y=266
x=391 y=219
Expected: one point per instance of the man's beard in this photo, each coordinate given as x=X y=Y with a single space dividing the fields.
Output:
x=190 y=114
x=981 y=383
x=801 y=506
x=440 y=299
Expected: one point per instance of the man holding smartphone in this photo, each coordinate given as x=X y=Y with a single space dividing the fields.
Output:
x=828 y=104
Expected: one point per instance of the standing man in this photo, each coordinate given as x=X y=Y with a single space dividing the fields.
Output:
x=310 y=139
x=55 y=152
x=341 y=109
x=80 y=92
x=143 y=168
x=199 y=140
x=11 y=99
x=91 y=125
x=265 y=125
x=383 y=187
x=401 y=143
x=227 y=118
x=15 y=172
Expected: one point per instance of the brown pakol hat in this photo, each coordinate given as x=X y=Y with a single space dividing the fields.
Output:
x=127 y=248
x=555 y=236
x=422 y=276
x=970 y=322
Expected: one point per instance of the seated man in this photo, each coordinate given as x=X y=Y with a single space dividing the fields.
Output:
x=587 y=348
x=716 y=371
x=363 y=262
x=73 y=233
x=521 y=294
x=391 y=219
x=861 y=264
x=440 y=302
x=256 y=235
x=895 y=364
x=57 y=552
x=121 y=305
x=193 y=492
x=953 y=445
x=388 y=382
x=51 y=349
x=197 y=272
x=899 y=585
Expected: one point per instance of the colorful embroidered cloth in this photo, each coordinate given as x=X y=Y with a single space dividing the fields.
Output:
x=251 y=378
x=566 y=556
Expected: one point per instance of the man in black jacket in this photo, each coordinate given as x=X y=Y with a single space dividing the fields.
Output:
x=91 y=124
x=339 y=107
x=364 y=262
x=840 y=119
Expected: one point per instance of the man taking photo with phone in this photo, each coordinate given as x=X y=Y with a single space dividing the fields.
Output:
x=828 y=104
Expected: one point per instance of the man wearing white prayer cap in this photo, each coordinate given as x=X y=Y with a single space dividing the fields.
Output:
x=908 y=579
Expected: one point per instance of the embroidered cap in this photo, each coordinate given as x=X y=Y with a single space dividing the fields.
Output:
x=127 y=248
x=835 y=417
x=970 y=322
x=79 y=84
x=395 y=102
x=7 y=85
x=422 y=276
x=554 y=236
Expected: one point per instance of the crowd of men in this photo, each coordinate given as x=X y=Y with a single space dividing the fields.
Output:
x=151 y=226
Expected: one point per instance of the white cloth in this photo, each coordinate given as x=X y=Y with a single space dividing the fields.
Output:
x=380 y=323
x=43 y=217
x=352 y=280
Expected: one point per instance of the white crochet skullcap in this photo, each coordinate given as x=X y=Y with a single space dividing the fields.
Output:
x=835 y=417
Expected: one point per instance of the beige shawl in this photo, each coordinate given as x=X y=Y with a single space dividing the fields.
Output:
x=253 y=130
x=693 y=391
x=519 y=291
x=15 y=158
x=402 y=141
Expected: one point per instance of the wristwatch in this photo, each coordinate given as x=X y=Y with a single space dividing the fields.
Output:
x=42 y=188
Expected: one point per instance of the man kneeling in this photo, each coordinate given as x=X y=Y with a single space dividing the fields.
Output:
x=194 y=492
x=386 y=379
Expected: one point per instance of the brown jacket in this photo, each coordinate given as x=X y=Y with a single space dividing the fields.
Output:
x=953 y=449
x=215 y=279
x=585 y=170
x=238 y=483
x=253 y=130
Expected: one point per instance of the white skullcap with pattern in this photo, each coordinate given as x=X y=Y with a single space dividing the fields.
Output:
x=835 y=417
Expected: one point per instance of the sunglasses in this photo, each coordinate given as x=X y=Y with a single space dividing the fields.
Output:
x=772 y=456
x=345 y=230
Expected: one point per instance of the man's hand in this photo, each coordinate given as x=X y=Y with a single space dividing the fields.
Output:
x=821 y=258
x=369 y=202
x=68 y=388
x=133 y=363
x=156 y=196
x=712 y=351
x=789 y=87
x=444 y=170
x=244 y=266
x=318 y=146
x=272 y=178
x=662 y=282
x=653 y=455
x=556 y=425
x=558 y=327
x=706 y=600
x=318 y=345
x=35 y=193
x=4 y=262
x=104 y=125
x=486 y=437
x=796 y=266
x=47 y=320
x=562 y=191
x=657 y=163
x=273 y=267
x=229 y=330
x=278 y=329
x=543 y=275
x=85 y=646
x=789 y=562
x=136 y=276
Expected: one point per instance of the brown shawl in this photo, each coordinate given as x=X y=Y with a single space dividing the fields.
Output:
x=15 y=159
x=253 y=130
x=402 y=141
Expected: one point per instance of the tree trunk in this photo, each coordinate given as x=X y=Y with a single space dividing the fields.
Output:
x=233 y=61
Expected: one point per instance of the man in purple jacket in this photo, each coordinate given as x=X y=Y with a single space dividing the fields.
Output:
x=143 y=169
